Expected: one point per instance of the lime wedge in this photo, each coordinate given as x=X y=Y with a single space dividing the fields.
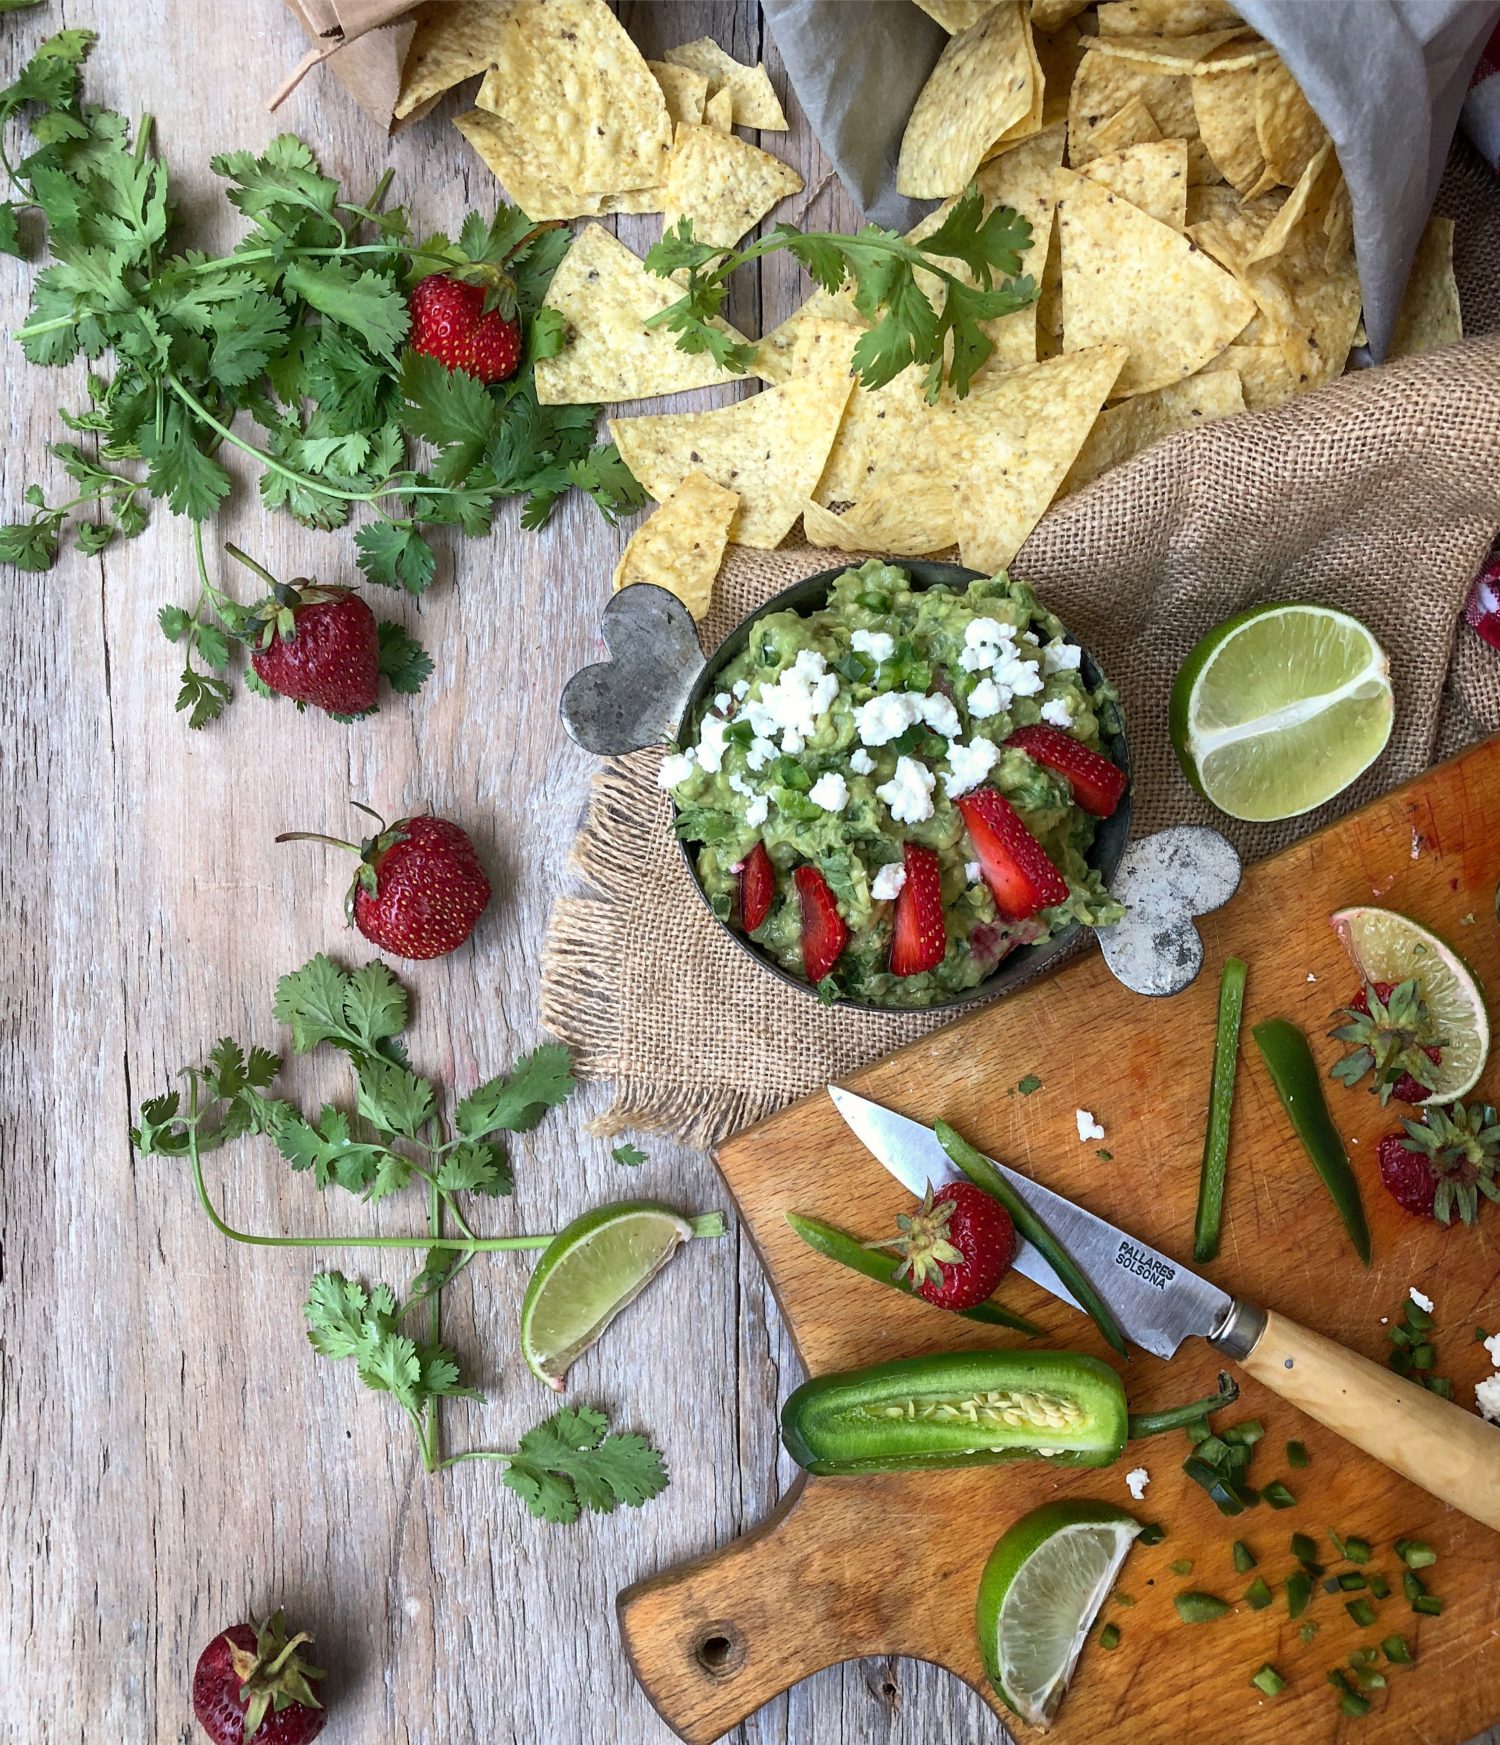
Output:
x=1387 y=947
x=587 y=1274
x=1040 y=1592
x=1280 y=709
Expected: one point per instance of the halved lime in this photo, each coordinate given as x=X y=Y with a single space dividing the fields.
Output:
x=1280 y=708
x=1040 y=1592
x=1387 y=947
x=587 y=1274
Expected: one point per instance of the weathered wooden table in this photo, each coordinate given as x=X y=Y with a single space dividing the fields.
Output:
x=173 y=1454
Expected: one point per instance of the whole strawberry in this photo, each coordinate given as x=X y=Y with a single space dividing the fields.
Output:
x=449 y=322
x=313 y=644
x=419 y=889
x=956 y=1248
x=251 y=1683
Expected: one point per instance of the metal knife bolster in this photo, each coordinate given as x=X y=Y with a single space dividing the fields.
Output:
x=1240 y=1330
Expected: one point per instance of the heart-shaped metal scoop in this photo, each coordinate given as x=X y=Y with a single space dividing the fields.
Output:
x=637 y=697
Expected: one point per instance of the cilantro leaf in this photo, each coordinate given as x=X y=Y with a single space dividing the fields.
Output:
x=201 y=697
x=475 y=1169
x=395 y=555
x=393 y=1098
x=404 y=664
x=310 y=1001
x=10 y=233
x=448 y=408
x=540 y=1081
x=629 y=1155
x=374 y=1005
x=345 y=1320
x=30 y=545
x=569 y=1463
x=193 y=483
x=363 y=301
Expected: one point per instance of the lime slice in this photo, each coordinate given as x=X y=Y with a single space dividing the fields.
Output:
x=1387 y=947
x=1280 y=709
x=1040 y=1592
x=587 y=1274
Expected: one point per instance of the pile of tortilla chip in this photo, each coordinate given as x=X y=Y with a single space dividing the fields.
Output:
x=575 y=122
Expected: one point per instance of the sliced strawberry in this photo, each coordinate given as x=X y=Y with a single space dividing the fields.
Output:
x=757 y=887
x=920 y=938
x=824 y=934
x=1015 y=865
x=1097 y=784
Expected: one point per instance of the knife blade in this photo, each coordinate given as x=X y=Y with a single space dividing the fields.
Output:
x=1157 y=1302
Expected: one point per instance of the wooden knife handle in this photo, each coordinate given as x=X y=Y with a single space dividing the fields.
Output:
x=1429 y=1440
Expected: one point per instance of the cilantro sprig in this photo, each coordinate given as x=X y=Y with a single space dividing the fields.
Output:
x=879 y=268
x=291 y=348
x=392 y=1139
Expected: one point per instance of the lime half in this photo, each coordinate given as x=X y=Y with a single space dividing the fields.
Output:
x=1280 y=709
x=1387 y=947
x=587 y=1274
x=1040 y=1592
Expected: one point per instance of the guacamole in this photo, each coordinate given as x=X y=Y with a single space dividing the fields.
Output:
x=835 y=737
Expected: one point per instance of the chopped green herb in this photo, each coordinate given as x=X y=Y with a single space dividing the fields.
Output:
x=1278 y=1496
x=1439 y=1385
x=1397 y=1651
x=1413 y=1586
x=1151 y=1534
x=1029 y=1084
x=1105 y=1156
x=1258 y=1594
x=1380 y=1587
x=1353 y=1704
x=1362 y=1612
x=1298 y=1592
x=1120 y=1599
x=1338 y=1544
x=1109 y=1636
x=1416 y=1315
x=1269 y=1680
x=1244 y=1557
x=1357 y=1550
x=1428 y=1605
x=629 y=1155
x=1480 y=1335
x=1415 y=1553
x=1297 y=1455
x=1351 y=1582
x=1363 y=1656
x=1248 y=1433
x=1195 y=1608
x=1368 y=1679
x=1304 y=1549
x=1182 y=1566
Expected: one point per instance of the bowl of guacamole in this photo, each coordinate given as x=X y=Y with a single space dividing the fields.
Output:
x=902 y=786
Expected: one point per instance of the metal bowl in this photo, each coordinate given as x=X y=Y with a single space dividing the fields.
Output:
x=651 y=690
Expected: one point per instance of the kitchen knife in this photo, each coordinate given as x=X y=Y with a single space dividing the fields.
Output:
x=1159 y=1303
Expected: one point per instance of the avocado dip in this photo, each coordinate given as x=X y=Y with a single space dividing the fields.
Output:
x=837 y=737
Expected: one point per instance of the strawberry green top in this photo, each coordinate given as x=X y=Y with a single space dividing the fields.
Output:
x=837 y=735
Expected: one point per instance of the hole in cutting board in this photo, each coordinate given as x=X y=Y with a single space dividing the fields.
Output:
x=720 y=1651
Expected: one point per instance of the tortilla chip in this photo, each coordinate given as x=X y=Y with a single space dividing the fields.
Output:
x=1106 y=84
x=1306 y=205
x=1228 y=228
x=723 y=184
x=1058 y=53
x=1264 y=377
x=680 y=546
x=718 y=111
x=776 y=352
x=1338 y=225
x=769 y=448
x=605 y=296
x=985 y=83
x=954 y=16
x=1429 y=311
x=1049 y=14
x=452 y=43
x=1124 y=430
x=506 y=155
x=1128 y=280
x=1129 y=125
x=1165 y=17
x=1221 y=51
x=1152 y=177
x=582 y=107
x=1049 y=308
x=913 y=517
x=685 y=90
x=1033 y=422
x=1224 y=104
x=755 y=102
x=1289 y=133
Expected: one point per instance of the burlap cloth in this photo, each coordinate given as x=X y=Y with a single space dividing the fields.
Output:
x=1380 y=495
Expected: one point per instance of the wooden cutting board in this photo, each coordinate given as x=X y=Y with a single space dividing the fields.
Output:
x=891 y=1564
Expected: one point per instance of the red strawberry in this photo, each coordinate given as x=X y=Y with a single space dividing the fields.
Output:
x=956 y=1248
x=920 y=940
x=450 y=322
x=419 y=889
x=1407 y=1176
x=757 y=887
x=1015 y=865
x=824 y=934
x=251 y=1683
x=1482 y=612
x=321 y=647
x=1384 y=1041
x=1097 y=784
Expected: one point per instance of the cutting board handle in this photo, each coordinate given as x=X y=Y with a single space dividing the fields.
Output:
x=1429 y=1440
x=712 y=1640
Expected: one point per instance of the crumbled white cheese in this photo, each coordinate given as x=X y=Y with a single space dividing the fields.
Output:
x=722 y=702
x=874 y=643
x=756 y=812
x=1016 y=676
x=792 y=705
x=711 y=743
x=1487 y=1397
x=1422 y=1302
x=984 y=638
x=830 y=791
x=861 y=762
x=885 y=887
x=968 y=765
x=1136 y=1481
x=973 y=872
x=887 y=716
x=741 y=786
x=1088 y=1127
x=1492 y=1345
x=909 y=792
x=984 y=700
x=1061 y=657
x=1057 y=712
x=741 y=689
x=1031 y=637
x=1311 y=977
x=675 y=769
x=940 y=715
x=760 y=753
x=792 y=741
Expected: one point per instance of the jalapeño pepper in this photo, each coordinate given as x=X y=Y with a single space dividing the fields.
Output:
x=967 y=1408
